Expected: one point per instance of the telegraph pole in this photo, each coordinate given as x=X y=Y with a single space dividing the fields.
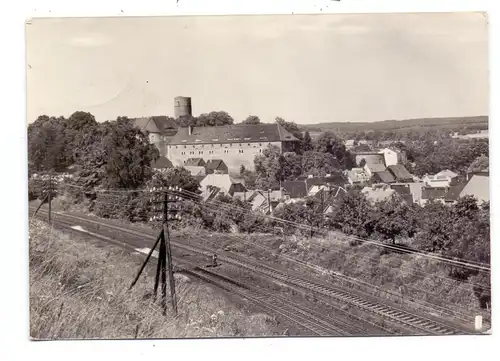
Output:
x=50 y=197
x=168 y=251
x=165 y=252
x=269 y=200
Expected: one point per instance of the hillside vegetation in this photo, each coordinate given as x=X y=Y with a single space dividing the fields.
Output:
x=479 y=122
x=79 y=290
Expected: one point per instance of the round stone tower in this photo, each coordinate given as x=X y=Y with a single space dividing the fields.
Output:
x=182 y=107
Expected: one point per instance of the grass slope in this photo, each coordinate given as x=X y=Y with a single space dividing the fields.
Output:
x=78 y=290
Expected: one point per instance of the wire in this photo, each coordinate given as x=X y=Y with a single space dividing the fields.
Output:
x=457 y=261
x=315 y=266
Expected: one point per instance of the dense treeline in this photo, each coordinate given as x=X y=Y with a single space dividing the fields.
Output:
x=454 y=154
x=406 y=127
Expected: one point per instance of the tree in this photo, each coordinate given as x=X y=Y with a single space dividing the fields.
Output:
x=362 y=163
x=436 y=223
x=481 y=163
x=291 y=166
x=307 y=143
x=355 y=215
x=302 y=212
x=268 y=168
x=319 y=164
x=115 y=155
x=249 y=178
x=328 y=142
x=214 y=118
x=174 y=177
x=80 y=121
x=395 y=219
x=187 y=121
x=251 y=119
x=48 y=147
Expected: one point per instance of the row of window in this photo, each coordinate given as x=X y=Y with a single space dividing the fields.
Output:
x=226 y=151
x=213 y=145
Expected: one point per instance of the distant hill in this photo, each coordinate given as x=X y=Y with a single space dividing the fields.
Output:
x=452 y=123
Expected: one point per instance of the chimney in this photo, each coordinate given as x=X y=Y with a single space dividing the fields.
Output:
x=190 y=129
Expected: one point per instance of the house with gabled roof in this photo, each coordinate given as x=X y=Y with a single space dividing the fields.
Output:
x=442 y=179
x=478 y=186
x=216 y=166
x=160 y=129
x=357 y=176
x=194 y=162
x=373 y=162
x=377 y=193
x=294 y=189
x=225 y=183
x=236 y=145
x=331 y=198
x=161 y=163
x=383 y=177
x=196 y=171
x=400 y=173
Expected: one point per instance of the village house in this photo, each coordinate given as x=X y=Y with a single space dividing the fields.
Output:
x=160 y=129
x=357 y=176
x=224 y=182
x=371 y=162
x=196 y=171
x=442 y=179
x=400 y=173
x=161 y=163
x=478 y=186
x=393 y=156
x=216 y=166
x=330 y=199
x=194 y=162
x=377 y=193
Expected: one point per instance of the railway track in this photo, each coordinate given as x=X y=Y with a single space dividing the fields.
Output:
x=302 y=317
x=408 y=321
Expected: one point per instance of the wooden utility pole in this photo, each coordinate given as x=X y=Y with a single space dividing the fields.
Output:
x=269 y=200
x=168 y=251
x=49 y=190
x=165 y=252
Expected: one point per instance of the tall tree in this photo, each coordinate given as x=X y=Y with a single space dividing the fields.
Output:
x=214 y=118
x=328 y=142
x=319 y=164
x=268 y=168
x=307 y=142
x=355 y=215
x=251 y=119
x=48 y=147
x=395 y=219
x=116 y=155
x=174 y=177
x=481 y=163
x=292 y=166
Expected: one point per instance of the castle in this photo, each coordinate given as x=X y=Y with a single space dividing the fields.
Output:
x=236 y=145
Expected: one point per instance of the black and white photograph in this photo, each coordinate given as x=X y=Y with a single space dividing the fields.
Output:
x=247 y=176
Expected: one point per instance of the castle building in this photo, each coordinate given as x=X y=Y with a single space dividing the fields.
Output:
x=236 y=145
x=228 y=146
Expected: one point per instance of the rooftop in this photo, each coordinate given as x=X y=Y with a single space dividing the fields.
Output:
x=156 y=124
x=233 y=134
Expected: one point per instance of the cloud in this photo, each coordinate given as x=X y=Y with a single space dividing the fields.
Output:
x=90 y=40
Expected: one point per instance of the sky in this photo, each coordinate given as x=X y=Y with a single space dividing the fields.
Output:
x=304 y=68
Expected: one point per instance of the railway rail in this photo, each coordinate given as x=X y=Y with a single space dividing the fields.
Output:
x=408 y=321
x=302 y=317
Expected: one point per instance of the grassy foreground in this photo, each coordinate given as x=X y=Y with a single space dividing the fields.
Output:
x=78 y=290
